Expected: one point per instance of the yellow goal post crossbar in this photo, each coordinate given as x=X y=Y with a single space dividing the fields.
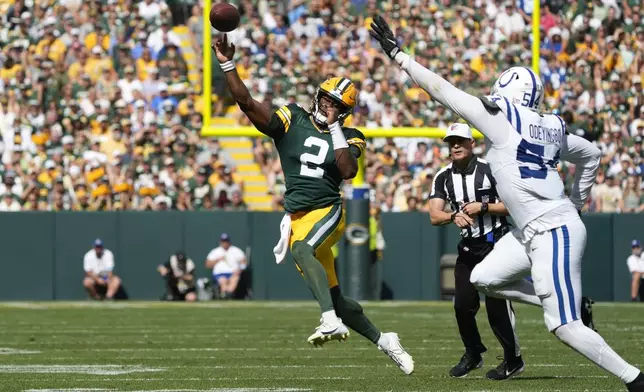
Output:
x=433 y=133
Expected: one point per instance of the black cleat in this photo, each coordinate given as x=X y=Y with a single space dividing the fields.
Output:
x=505 y=370
x=587 y=313
x=469 y=362
x=636 y=385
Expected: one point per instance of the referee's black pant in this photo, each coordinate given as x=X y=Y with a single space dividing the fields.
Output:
x=467 y=302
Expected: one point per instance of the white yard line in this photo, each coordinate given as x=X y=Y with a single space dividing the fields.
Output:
x=78 y=369
x=175 y=390
x=17 y=351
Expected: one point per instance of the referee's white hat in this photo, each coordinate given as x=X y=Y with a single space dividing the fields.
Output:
x=459 y=130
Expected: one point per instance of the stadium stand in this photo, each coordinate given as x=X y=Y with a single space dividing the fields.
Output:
x=100 y=101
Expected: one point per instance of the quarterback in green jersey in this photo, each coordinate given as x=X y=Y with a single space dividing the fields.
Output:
x=317 y=153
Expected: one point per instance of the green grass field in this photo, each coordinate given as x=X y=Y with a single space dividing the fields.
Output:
x=261 y=346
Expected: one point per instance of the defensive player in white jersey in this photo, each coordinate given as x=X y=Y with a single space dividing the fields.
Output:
x=525 y=148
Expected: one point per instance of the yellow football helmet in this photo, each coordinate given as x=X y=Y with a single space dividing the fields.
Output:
x=340 y=90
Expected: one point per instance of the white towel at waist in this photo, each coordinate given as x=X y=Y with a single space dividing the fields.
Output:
x=285 y=234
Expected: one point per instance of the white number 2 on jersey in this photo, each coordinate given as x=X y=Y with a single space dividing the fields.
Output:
x=314 y=159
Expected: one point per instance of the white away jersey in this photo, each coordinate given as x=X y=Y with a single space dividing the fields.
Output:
x=526 y=166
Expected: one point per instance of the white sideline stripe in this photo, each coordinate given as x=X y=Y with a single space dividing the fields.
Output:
x=78 y=369
x=121 y=379
x=421 y=306
x=25 y=305
x=259 y=304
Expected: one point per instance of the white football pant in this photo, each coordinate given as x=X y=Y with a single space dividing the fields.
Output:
x=504 y=270
x=554 y=260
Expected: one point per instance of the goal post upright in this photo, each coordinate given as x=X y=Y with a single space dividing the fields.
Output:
x=206 y=89
x=536 y=35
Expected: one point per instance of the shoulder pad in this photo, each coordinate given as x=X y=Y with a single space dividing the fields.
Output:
x=489 y=101
x=284 y=113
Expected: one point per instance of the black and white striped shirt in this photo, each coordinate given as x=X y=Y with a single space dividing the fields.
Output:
x=475 y=183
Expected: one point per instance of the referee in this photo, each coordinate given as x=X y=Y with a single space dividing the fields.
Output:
x=467 y=184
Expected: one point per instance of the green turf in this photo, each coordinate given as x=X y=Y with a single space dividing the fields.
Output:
x=261 y=346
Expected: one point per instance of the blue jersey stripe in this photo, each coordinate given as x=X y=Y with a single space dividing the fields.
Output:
x=508 y=112
x=571 y=292
x=516 y=112
x=534 y=87
x=555 y=276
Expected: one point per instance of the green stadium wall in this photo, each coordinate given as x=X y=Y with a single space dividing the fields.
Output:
x=43 y=252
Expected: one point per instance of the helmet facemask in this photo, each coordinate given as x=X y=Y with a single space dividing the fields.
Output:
x=319 y=117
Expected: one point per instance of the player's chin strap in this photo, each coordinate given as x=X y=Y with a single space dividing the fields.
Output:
x=318 y=116
x=337 y=136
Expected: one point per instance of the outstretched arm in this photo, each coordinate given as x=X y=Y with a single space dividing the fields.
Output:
x=257 y=113
x=586 y=158
x=485 y=116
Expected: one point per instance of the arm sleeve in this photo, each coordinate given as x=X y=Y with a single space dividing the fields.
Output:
x=491 y=123
x=276 y=127
x=586 y=158
x=356 y=141
x=438 y=187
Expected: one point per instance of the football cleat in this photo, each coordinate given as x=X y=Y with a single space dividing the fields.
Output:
x=389 y=343
x=327 y=332
x=636 y=385
x=587 y=313
x=506 y=370
x=468 y=362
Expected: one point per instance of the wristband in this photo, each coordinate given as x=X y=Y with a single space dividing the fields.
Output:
x=337 y=136
x=453 y=216
x=484 y=208
x=228 y=66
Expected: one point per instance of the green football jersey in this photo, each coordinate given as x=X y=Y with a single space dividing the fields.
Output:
x=308 y=159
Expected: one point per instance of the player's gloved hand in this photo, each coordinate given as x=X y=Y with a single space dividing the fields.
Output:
x=381 y=32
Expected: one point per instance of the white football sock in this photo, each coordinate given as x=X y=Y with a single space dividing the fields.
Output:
x=519 y=291
x=589 y=344
x=329 y=317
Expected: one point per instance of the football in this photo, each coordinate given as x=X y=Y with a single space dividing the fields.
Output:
x=224 y=17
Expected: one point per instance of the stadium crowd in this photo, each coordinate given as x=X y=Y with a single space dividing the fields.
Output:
x=97 y=111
